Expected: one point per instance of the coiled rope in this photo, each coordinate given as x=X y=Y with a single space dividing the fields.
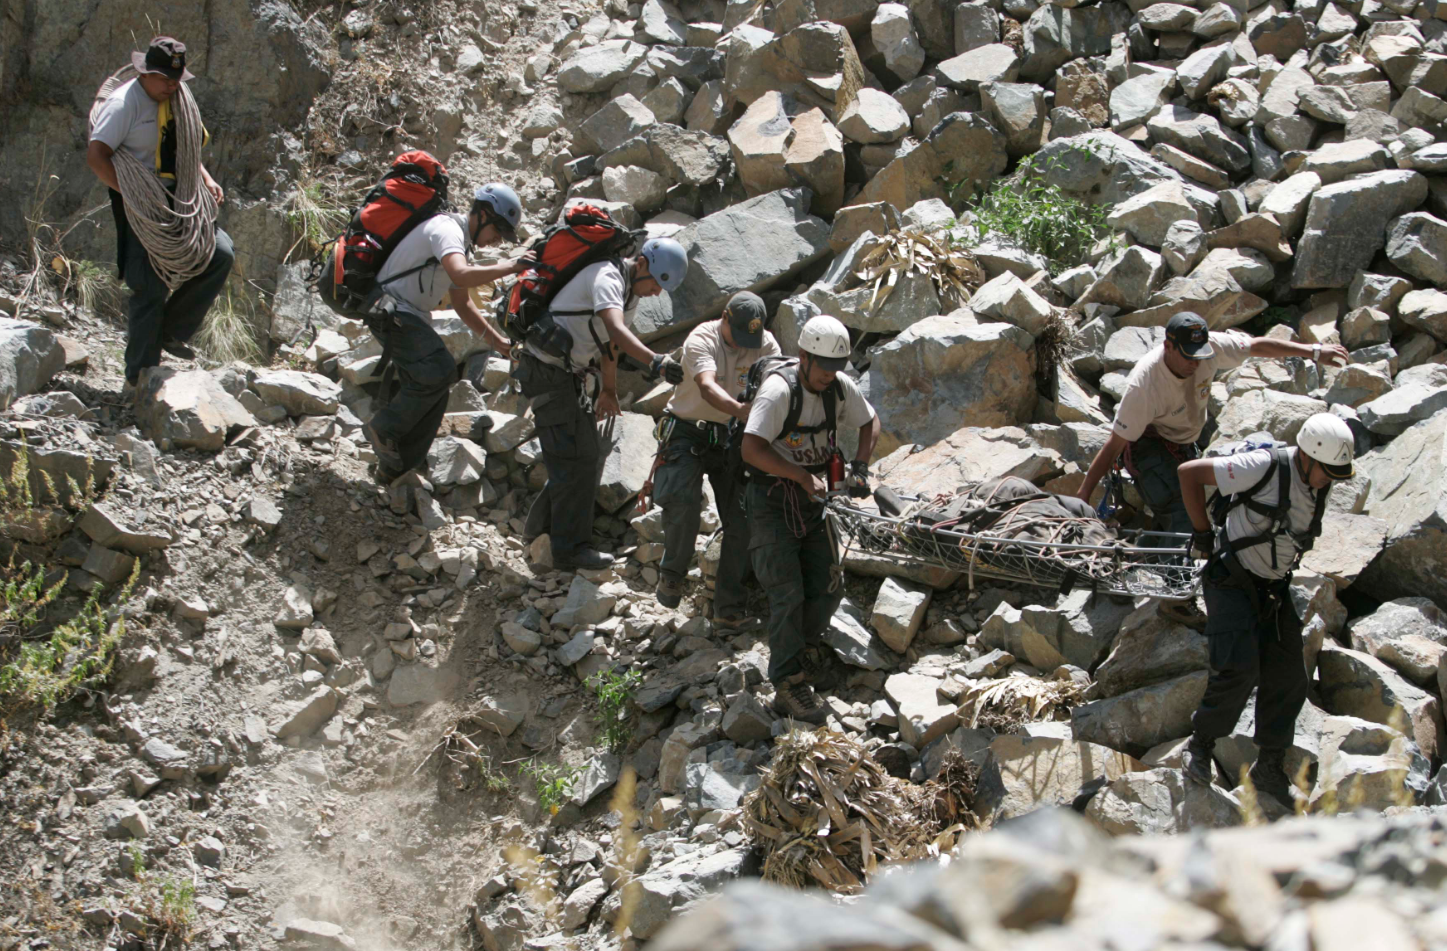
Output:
x=177 y=228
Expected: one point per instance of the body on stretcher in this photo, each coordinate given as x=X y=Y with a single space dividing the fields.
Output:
x=1009 y=530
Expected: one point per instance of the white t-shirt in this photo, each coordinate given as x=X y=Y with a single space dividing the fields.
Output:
x=128 y=122
x=704 y=349
x=598 y=287
x=771 y=406
x=1154 y=396
x=421 y=292
x=1240 y=472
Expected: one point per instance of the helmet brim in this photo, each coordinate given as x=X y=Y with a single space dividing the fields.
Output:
x=832 y=364
x=1343 y=471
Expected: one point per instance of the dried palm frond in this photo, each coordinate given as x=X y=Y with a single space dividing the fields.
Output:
x=1008 y=702
x=954 y=271
x=828 y=812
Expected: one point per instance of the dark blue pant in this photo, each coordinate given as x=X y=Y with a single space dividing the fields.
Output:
x=572 y=455
x=1252 y=642
x=678 y=488
x=425 y=372
x=156 y=313
x=1159 y=485
x=794 y=571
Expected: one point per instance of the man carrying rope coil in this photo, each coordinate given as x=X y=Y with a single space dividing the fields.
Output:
x=789 y=441
x=145 y=145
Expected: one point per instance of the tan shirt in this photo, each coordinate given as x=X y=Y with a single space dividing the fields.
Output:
x=1154 y=396
x=705 y=350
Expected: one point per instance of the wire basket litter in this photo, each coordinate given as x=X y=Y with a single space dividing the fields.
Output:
x=1152 y=564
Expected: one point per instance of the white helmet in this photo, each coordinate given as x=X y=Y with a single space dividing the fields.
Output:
x=1328 y=440
x=827 y=339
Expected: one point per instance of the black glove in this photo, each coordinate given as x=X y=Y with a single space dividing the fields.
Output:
x=670 y=369
x=857 y=482
x=1203 y=543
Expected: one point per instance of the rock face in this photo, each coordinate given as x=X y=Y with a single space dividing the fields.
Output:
x=1330 y=257
x=29 y=357
x=944 y=373
x=1140 y=719
x=188 y=409
x=1409 y=493
x=751 y=246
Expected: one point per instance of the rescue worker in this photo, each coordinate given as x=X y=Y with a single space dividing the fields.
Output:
x=1253 y=633
x=137 y=118
x=788 y=442
x=590 y=309
x=433 y=258
x=716 y=359
x=1161 y=414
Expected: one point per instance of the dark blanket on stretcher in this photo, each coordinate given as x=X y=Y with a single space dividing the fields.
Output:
x=1014 y=508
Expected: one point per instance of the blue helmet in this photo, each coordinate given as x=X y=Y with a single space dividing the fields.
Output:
x=667 y=262
x=503 y=208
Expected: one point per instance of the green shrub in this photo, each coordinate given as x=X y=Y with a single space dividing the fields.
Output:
x=554 y=783
x=614 y=691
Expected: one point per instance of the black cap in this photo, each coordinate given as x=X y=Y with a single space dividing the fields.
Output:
x=747 y=315
x=1190 y=335
x=166 y=56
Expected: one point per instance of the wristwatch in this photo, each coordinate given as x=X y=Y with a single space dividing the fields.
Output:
x=1316 y=352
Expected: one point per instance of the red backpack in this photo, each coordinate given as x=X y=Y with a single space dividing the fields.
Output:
x=585 y=236
x=413 y=190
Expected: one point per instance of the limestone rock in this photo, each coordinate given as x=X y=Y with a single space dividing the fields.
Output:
x=898 y=612
x=29 y=357
x=963 y=151
x=1366 y=763
x=1161 y=802
x=598 y=68
x=1143 y=718
x=1326 y=256
x=188 y=409
x=1417 y=243
x=1149 y=215
x=1357 y=684
x=965 y=457
x=874 y=116
x=305 y=717
x=1148 y=649
x=923 y=716
x=301 y=393
x=628 y=462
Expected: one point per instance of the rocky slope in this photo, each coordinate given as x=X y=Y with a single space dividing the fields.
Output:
x=324 y=692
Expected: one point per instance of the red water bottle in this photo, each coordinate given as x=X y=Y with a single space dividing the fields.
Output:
x=836 y=471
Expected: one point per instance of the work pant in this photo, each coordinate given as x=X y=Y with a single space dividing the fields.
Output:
x=1252 y=642
x=157 y=314
x=1155 y=472
x=425 y=372
x=794 y=571
x=572 y=455
x=678 y=487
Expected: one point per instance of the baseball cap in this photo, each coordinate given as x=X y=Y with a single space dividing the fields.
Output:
x=166 y=56
x=747 y=315
x=1190 y=335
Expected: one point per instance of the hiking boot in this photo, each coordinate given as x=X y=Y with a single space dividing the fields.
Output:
x=585 y=559
x=669 y=592
x=1268 y=775
x=1183 y=612
x=818 y=664
x=178 y=348
x=388 y=458
x=738 y=623
x=1196 y=760
x=795 y=699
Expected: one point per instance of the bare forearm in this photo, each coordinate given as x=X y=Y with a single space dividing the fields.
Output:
x=868 y=436
x=479 y=324
x=1194 y=477
x=1279 y=349
x=608 y=370
x=714 y=395
x=477 y=275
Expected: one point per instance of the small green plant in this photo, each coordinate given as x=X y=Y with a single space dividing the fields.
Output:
x=138 y=861
x=25 y=597
x=554 y=782
x=229 y=333
x=614 y=691
x=1035 y=215
x=47 y=669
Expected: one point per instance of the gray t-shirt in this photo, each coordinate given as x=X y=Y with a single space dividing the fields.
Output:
x=598 y=287
x=771 y=406
x=1240 y=472
x=128 y=123
x=421 y=292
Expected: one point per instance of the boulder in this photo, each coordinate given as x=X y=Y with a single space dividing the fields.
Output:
x=1018 y=110
x=1148 y=649
x=1417 y=243
x=107 y=527
x=1161 y=802
x=1280 y=414
x=899 y=610
x=1025 y=773
x=1359 y=685
x=684 y=880
x=188 y=409
x=1395 y=411
x=780 y=236
x=305 y=717
x=1149 y=215
x=945 y=372
x=1202 y=136
x=1411 y=497
x=1238 y=751
x=994 y=62
x=1143 y=718
x=419 y=683
x=963 y=151
x=1369 y=765
x=1102 y=167
x=585 y=605
x=760 y=140
x=1347 y=545
x=616 y=122
x=1137 y=99
x=645 y=190
x=849 y=223
x=874 y=117
x=747 y=721
x=682 y=156
x=923 y=716
x=815 y=159
x=1127 y=279
x=1289 y=200
x=815 y=63
x=853 y=643
x=892 y=31
x=966 y=457
x=29 y=357
x=1010 y=299
x=1410 y=634
x=1055 y=34
x=452 y=460
x=598 y=68
x=1327 y=255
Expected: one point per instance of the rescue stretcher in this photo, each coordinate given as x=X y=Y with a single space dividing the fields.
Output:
x=1135 y=563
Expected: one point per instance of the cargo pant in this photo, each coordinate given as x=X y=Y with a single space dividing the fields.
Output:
x=1155 y=472
x=572 y=456
x=425 y=372
x=156 y=313
x=1253 y=642
x=691 y=454
x=794 y=570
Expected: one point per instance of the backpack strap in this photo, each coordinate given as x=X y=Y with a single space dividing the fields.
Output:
x=796 y=399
